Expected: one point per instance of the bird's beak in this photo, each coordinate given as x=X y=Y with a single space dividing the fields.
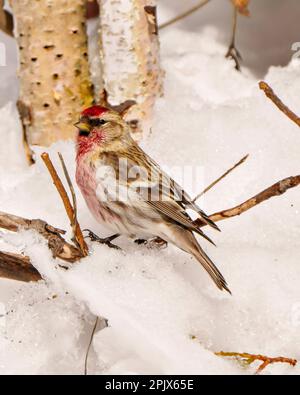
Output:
x=84 y=126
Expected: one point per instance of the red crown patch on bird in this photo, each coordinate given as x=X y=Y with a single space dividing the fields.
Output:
x=94 y=111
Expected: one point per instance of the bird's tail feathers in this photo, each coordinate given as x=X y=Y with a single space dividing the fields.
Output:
x=212 y=270
x=186 y=240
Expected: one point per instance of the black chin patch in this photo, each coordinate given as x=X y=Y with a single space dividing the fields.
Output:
x=83 y=133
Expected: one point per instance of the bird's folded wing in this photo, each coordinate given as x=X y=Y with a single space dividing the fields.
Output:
x=172 y=200
x=173 y=211
x=178 y=193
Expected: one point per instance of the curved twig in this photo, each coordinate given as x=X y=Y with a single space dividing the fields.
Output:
x=183 y=15
x=59 y=247
x=276 y=189
x=17 y=267
x=250 y=358
x=89 y=347
x=278 y=103
x=66 y=201
x=240 y=162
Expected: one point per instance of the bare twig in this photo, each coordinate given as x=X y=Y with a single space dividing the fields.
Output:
x=248 y=359
x=25 y=118
x=278 y=103
x=67 y=204
x=17 y=267
x=6 y=20
x=183 y=15
x=221 y=178
x=275 y=190
x=89 y=347
x=232 y=52
x=59 y=247
x=68 y=178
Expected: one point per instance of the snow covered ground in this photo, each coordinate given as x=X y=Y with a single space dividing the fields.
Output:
x=165 y=315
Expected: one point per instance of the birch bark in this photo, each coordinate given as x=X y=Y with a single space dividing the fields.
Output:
x=129 y=49
x=54 y=72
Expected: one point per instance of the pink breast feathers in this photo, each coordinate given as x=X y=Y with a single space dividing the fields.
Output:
x=86 y=180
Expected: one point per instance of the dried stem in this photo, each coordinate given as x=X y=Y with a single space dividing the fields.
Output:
x=232 y=51
x=275 y=190
x=250 y=358
x=68 y=178
x=17 y=267
x=221 y=178
x=183 y=15
x=278 y=103
x=59 y=247
x=67 y=204
x=89 y=347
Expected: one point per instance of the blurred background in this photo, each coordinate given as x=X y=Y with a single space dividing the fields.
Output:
x=264 y=39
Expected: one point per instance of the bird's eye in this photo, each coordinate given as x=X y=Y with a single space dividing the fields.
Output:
x=84 y=133
x=97 y=122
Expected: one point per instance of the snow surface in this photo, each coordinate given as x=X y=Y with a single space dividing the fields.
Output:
x=165 y=315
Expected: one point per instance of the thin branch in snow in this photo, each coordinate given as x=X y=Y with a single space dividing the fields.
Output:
x=232 y=52
x=66 y=201
x=240 y=162
x=183 y=15
x=68 y=178
x=275 y=190
x=248 y=359
x=56 y=243
x=89 y=347
x=17 y=267
x=278 y=103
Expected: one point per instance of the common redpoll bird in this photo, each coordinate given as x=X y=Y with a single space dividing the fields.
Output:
x=129 y=193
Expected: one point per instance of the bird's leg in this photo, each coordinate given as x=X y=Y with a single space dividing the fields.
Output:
x=156 y=242
x=106 y=240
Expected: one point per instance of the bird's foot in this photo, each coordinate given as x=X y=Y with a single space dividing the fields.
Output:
x=156 y=242
x=106 y=240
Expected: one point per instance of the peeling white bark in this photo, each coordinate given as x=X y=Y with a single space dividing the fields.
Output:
x=130 y=56
x=54 y=72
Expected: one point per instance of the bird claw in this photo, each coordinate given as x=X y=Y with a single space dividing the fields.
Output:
x=156 y=242
x=106 y=240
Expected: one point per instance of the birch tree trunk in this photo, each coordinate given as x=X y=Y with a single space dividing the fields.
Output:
x=54 y=71
x=129 y=49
